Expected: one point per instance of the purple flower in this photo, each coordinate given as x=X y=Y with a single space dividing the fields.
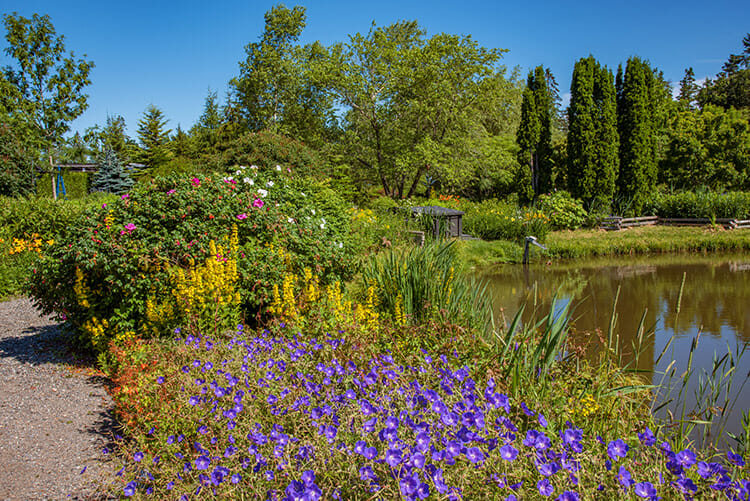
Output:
x=366 y=473
x=202 y=463
x=526 y=410
x=544 y=487
x=508 y=452
x=686 y=458
x=617 y=449
x=542 y=420
x=137 y=457
x=647 y=438
x=129 y=489
x=568 y=496
x=626 y=479
x=548 y=469
x=645 y=490
x=160 y=380
x=735 y=458
x=474 y=455
x=236 y=478
x=393 y=457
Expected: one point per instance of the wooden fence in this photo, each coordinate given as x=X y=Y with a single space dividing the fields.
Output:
x=614 y=223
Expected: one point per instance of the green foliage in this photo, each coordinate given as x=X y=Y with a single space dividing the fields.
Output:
x=731 y=88
x=50 y=82
x=708 y=148
x=424 y=283
x=126 y=267
x=408 y=101
x=534 y=135
x=703 y=204
x=276 y=89
x=638 y=103
x=500 y=220
x=16 y=174
x=111 y=176
x=154 y=138
x=266 y=149
x=28 y=227
x=77 y=184
x=564 y=212
x=592 y=139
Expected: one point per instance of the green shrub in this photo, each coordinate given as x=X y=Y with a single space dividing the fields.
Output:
x=702 y=204
x=564 y=211
x=500 y=220
x=197 y=251
x=77 y=184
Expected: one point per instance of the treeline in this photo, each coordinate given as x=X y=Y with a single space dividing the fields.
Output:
x=399 y=113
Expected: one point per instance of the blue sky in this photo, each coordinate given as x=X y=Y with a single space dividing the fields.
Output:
x=170 y=53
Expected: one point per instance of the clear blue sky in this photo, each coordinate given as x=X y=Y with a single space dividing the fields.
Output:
x=169 y=53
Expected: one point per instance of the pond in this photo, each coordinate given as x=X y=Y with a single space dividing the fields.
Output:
x=679 y=299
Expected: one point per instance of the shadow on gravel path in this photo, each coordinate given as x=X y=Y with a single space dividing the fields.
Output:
x=55 y=416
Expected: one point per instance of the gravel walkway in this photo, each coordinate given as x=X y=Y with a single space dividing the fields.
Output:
x=55 y=416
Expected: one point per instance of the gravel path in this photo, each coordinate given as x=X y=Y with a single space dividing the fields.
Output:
x=55 y=416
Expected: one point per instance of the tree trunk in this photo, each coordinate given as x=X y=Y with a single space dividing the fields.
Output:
x=52 y=176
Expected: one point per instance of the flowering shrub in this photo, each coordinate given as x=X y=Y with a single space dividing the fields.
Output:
x=272 y=417
x=498 y=220
x=195 y=251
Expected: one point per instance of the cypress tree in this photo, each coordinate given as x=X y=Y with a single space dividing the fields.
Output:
x=534 y=135
x=111 y=177
x=637 y=110
x=592 y=134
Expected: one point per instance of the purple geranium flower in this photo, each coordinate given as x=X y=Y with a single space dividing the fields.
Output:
x=617 y=449
x=544 y=487
x=508 y=452
x=645 y=490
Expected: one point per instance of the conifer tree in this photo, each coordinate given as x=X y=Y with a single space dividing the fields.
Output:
x=592 y=135
x=111 y=177
x=688 y=91
x=534 y=134
x=637 y=111
x=153 y=137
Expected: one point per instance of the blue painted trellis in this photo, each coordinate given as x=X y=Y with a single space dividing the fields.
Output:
x=60 y=185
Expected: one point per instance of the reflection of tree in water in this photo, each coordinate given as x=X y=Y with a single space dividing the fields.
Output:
x=714 y=299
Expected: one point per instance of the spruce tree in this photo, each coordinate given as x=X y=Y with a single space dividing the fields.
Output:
x=153 y=137
x=111 y=177
x=592 y=133
x=637 y=111
x=688 y=91
x=534 y=135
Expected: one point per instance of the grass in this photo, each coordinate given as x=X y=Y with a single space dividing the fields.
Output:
x=646 y=240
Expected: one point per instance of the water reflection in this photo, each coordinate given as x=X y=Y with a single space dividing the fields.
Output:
x=715 y=302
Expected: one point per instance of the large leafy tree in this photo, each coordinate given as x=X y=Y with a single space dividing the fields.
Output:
x=275 y=90
x=592 y=138
x=409 y=101
x=49 y=81
x=154 y=137
x=534 y=135
x=708 y=148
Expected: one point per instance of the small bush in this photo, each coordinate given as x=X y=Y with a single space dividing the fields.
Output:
x=564 y=211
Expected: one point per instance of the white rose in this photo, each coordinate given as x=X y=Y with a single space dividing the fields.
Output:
x=262 y=192
x=278 y=168
x=269 y=184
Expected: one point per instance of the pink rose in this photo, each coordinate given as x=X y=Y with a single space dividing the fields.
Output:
x=242 y=216
x=258 y=203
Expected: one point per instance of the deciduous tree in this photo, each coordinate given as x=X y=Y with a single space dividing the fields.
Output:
x=50 y=82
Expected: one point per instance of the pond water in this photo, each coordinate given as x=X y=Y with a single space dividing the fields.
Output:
x=714 y=308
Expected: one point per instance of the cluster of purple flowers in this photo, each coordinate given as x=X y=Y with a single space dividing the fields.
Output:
x=264 y=414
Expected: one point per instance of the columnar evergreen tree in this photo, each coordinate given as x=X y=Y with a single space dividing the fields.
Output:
x=592 y=133
x=534 y=135
x=111 y=176
x=637 y=108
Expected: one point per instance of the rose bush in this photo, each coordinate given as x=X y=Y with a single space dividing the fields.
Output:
x=181 y=251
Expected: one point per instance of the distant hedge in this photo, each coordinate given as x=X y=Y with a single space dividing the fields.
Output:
x=77 y=184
